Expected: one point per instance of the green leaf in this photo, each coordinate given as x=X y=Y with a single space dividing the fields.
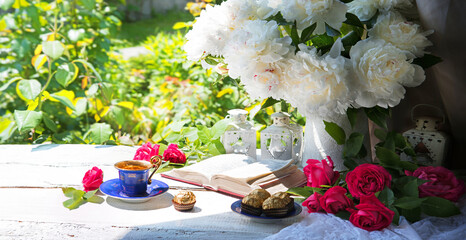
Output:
x=69 y=191
x=350 y=39
x=336 y=132
x=49 y=123
x=352 y=115
x=64 y=100
x=409 y=151
x=396 y=217
x=390 y=142
x=6 y=85
x=294 y=35
x=427 y=61
x=386 y=196
x=26 y=120
x=412 y=215
x=73 y=203
x=350 y=163
x=269 y=102
x=89 y=4
x=76 y=34
x=378 y=115
x=410 y=189
x=30 y=89
x=89 y=194
x=204 y=134
x=177 y=126
x=322 y=42
x=33 y=13
x=343 y=215
x=353 y=144
x=6 y=4
x=219 y=145
x=387 y=157
x=213 y=149
x=191 y=133
x=53 y=49
x=408 y=202
x=89 y=65
x=408 y=166
x=332 y=32
x=96 y=199
x=353 y=20
x=439 y=207
x=304 y=191
x=100 y=132
x=307 y=32
x=400 y=141
x=66 y=74
x=380 y=134
x=279 y=19
x=219 y=128
x=210 y=61
x=81 y=107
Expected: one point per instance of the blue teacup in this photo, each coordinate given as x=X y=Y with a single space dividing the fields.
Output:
x=134 y=176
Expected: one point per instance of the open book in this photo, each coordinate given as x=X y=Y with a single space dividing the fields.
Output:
x=238 y=174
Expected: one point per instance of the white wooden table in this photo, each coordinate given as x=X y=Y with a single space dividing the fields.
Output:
x=31 y=178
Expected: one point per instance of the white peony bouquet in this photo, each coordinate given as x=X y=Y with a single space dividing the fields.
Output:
x=321 y=56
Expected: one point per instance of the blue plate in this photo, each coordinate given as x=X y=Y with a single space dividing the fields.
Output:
x=112 y=189
x=236 y=207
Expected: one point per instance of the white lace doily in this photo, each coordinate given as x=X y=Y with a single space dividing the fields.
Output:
x=327 y=226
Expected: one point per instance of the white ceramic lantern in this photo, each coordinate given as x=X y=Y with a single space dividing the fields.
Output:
x=430 y=144
x=240 y=135
x=282 y=140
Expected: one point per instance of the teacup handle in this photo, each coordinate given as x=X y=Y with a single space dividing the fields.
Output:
x=156 y=162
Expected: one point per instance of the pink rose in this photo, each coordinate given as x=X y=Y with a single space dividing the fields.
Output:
x=312 y=203
x=335 y=200
x=443 y=183
x=372 y=214
x=146 y=151
x=174 y=155
x=320 y=172
x=92 y=179
x=367 y=179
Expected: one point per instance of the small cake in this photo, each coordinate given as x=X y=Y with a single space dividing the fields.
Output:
x=287 y=197
x=252 y=203
x=275 y=207
x=184 y=200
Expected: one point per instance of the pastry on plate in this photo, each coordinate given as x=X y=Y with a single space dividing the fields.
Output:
x=252 y=203
x=287 y=197
x=275 y=207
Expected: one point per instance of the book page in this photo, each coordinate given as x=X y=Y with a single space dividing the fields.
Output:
x=255 y=170
x=203 y=171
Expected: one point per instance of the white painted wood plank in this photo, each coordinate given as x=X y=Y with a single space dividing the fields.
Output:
x=212 y=214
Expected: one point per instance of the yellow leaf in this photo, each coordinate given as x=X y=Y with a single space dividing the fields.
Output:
x=65 y=93
x=32 y=105
x=137 y=114
x=2 y=25
x=4 y=123
x=20 y=3
x=38 y=50
x=20 y=95
x=101 y=113
x=51 y=37
x=168 y=105
x=224 y=91
x=69 y=110
x=269 y=110
x=253 y=106
x=179 y=25
x=59 y=1
x=84 y=82
x=38 y=61
x=128 y=105
x=164 y=89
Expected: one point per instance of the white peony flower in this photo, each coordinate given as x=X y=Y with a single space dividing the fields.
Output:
x=308 y=12
x=318 y=85
x=213 y=27
x=266 y=8
x=366 y=9
x=254 y=54
x=382 y=70
x=407 y=36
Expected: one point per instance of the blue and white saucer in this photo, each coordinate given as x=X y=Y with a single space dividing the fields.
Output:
x=113 y=189
x=236 y=207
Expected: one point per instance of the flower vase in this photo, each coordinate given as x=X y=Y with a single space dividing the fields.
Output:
x=318 y=144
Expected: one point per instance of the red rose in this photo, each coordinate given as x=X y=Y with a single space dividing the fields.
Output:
x=335 y=200
x=146 y=151
x=92 y=179
x=367 y=179
x=372 y=214
x=312 y=203
x=443 y=183
x=173 y=154
x=320 y=172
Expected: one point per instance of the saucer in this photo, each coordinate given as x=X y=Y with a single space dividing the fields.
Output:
x=236 y=207
x=113 y=189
